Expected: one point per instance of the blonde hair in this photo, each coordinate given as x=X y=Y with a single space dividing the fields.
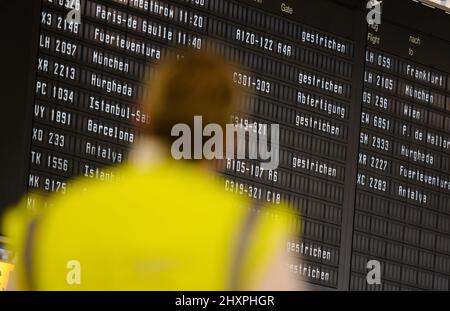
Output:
x=197 y=85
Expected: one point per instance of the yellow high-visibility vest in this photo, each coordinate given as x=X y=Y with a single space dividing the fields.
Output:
x=168 y=227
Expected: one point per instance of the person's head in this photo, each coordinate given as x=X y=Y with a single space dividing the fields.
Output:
x=199 y=84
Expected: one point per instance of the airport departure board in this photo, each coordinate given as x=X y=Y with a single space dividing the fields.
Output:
x=364 y=115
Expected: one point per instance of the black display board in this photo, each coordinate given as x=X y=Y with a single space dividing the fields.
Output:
x=402 y=213
x=17 y=63
x=364 y=116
